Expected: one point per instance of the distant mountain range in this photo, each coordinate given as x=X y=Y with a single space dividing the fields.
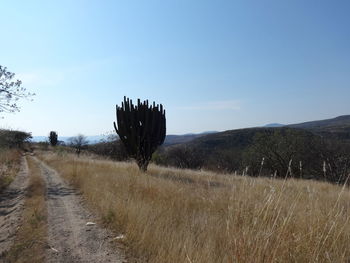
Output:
x=169 y=140
x=336 y=127
x=91 y=139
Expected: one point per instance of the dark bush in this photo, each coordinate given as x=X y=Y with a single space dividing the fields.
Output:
x=13 y=139
x=111 y=148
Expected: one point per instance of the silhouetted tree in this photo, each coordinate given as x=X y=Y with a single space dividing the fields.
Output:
x=78 y=143
x=13 y=139
x=53 y=138
x=141 y=128
x=10 y=91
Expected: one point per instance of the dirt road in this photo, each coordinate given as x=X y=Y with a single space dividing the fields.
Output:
x=11 y=207
x=69 y=238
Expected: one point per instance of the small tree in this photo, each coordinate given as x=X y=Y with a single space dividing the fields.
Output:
x=10 y=91
x=78 y=143
x=53 y=138
x=141 y=128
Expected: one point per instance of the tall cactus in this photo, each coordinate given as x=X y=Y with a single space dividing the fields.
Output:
x=141 y=128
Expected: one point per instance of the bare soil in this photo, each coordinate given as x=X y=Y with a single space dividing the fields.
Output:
x=11 y=207
x=69 y=238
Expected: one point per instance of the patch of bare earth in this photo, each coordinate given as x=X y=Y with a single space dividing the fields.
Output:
x=70 y=239
x=11 y=207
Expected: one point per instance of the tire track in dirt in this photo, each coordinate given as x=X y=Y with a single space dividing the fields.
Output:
x=67 y=230
x=11 y=207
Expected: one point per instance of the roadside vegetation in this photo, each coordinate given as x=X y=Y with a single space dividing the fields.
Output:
x=9 y=166
x=30 y=243
x=172 y=215
x=11 y=145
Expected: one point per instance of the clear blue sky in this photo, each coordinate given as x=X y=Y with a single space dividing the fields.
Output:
x=214 y=65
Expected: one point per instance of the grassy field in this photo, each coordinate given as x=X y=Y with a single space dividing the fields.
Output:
x=9 y=166
x=170 y=215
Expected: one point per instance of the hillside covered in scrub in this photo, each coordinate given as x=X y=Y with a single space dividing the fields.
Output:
x=318 y=150
x=312 y=150
x=336 y=128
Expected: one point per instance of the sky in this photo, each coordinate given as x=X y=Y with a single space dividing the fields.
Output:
x=214 y=65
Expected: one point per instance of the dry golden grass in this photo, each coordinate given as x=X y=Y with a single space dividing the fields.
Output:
x=30 y=242
x=9 y=166
x=171 y=215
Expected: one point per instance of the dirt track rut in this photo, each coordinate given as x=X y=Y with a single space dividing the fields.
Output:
x=11 y=207
x=68 y=233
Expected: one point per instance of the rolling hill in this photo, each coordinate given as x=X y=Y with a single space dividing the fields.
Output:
x=337 y=128
x=235 y=149
x=340 y=121
x=178 y=139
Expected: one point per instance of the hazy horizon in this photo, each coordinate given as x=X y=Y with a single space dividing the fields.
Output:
x=213 y=65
